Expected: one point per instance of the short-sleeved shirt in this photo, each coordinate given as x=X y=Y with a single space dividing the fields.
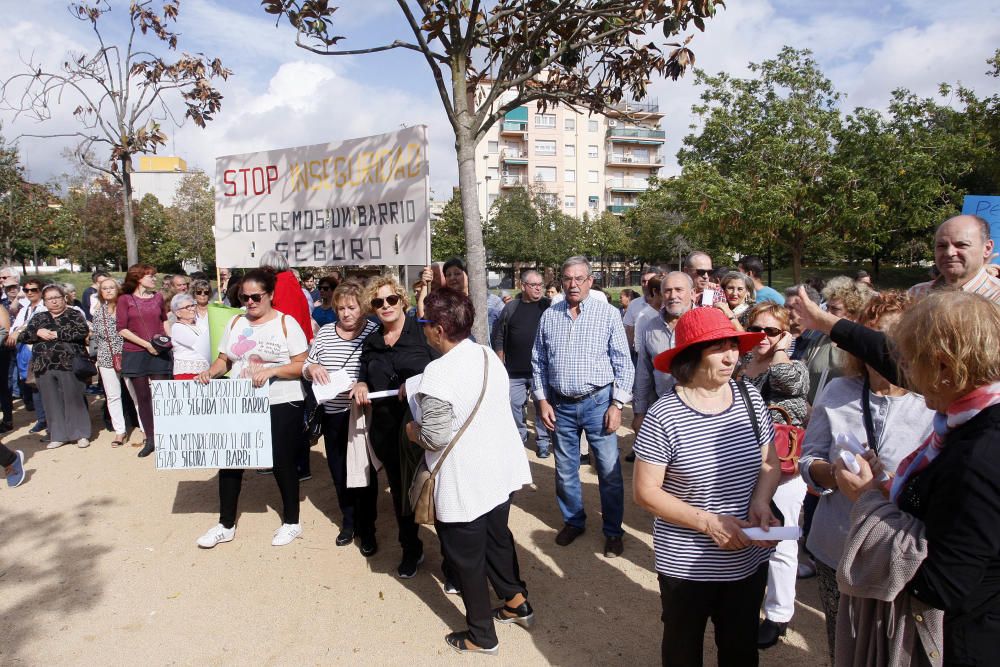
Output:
x=272 y=343
x=766 y=293
x=712 y=463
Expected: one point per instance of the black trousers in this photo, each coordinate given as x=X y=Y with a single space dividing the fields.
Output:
x=478 y=551
x=6 y=397
x=384 y=436
x=6 y=456
x=286 y=424
x=734 y=608
x=357 y=505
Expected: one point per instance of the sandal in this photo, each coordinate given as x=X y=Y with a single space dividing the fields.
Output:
x=117 y=442
x=460 y=642
x=522 y=615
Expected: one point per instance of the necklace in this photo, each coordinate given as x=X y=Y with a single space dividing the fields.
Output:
x=691 y=400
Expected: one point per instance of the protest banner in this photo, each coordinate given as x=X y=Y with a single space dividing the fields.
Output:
x=987 y=208
x=359 y=201
x=222 y=424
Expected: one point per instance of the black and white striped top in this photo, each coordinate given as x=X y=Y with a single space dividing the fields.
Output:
x=333 y=353
x=712 y=463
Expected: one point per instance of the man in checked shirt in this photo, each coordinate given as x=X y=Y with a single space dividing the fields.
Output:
x=583 y=377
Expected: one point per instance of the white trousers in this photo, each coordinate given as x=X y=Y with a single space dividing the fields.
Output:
x=113 y=394
x=779 y=605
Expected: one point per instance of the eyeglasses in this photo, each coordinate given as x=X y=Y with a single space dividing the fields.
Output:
x=703 y=273
x=771 y=332
x=377 y=302
x=190 y=305
x=30 y=290
x=575 y=280
x=12 y=287
x=246 y=298
x=202 y=292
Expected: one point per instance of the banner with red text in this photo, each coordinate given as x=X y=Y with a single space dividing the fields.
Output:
x=359 y=201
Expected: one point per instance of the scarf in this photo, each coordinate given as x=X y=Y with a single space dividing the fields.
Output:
x=959 y=412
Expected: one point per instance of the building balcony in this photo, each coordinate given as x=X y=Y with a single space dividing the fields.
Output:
x=627 y=185
x=629 y=160
x=514 y=127
x=514 y=156
x=636 y=135
x=513 y=181
x=647 y=107
x=619 y=209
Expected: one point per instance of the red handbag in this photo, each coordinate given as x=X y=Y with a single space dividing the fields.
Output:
x=788 y=442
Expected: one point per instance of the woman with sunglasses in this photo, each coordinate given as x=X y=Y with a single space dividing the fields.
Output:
x=192 y=349
x=140 y=317
x=326 y=312
x=268 y=347
x=783 y=383
x=201 y=290
x=395 y=352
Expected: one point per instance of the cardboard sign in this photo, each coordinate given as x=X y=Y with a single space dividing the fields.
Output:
x=359 y=201
x=987 y=208
x=222 y=424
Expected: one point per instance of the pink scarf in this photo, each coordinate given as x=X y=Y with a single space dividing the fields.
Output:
x=959 y=412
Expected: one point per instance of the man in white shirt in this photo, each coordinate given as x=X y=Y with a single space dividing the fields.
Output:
x=635 y=306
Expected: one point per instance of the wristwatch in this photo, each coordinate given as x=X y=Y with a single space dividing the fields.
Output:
x=618 y=404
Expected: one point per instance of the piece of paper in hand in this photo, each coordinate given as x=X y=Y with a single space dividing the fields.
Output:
x=707 y=297
x=339 y=382
x=412 y=386
x=388 y=393
x=776 y=533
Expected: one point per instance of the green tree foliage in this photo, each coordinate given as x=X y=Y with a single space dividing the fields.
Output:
x=655 y=224
x=90 y=225
x=448 y=231
x=157 y=246
x=191 y=218
x=524 y=226
x=608 y=238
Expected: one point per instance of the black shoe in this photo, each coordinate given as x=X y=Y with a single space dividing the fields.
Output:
x=568 y=534
x=305 y=476
x=369 y=546
x=147 y=450
x=769 y=632
x=522 y=615
x=613 y=547
x=584 y=459
x=451 y=588
x=345 y=538
x=6 y=426
x=543 y=455
x=459 y=642
x=408 y=567
x=630 y=457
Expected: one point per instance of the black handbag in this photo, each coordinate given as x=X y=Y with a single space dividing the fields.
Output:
x=83 y=368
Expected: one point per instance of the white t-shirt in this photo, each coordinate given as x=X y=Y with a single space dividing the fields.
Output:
x=266 y=345
x=599 y=295
x=635 y=307
x=644 y=312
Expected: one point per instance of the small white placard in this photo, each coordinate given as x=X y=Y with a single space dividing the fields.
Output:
x=339 y=382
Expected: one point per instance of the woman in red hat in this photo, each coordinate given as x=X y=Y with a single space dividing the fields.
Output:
x=707 y=469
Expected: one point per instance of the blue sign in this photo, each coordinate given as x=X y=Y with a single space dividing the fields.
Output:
x=987 y=208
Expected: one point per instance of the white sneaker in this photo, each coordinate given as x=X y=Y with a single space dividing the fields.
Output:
x=54 y=444
x=83 y=443
x=215 y=535
x=285 y=534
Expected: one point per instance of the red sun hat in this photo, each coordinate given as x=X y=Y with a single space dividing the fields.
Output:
x=703 y=325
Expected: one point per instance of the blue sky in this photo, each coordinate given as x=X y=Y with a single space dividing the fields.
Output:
x=281 y=95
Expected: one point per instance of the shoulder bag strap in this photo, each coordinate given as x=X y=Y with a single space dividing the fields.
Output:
x=107 y=328
x=866 y=414
x=741 y=385
x=482 y=393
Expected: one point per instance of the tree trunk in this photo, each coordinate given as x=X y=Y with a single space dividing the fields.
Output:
x=131 y=242
x=797 y=243
x=876 y=265
x=465 y=146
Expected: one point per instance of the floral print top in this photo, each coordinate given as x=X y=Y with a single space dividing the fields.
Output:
x=56 y=355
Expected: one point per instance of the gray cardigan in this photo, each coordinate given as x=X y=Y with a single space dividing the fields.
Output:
x=901 y=424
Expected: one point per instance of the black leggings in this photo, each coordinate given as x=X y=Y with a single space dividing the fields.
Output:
x=358 y=505
x=144 y=403
x=6 y=398
x=286 y=424
x=7 y=457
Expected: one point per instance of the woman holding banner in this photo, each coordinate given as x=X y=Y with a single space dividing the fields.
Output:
x=268 y=347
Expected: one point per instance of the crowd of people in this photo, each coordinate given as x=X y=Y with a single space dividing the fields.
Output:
x=867 y=417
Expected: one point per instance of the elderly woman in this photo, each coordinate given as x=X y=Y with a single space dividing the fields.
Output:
x=192 y=347
x=892 y=420
x=845 y=297
x=472 y=442
x=109 y=343
x=706 y=468
x=740 y=296
x=943 y=503
x=337 y=347
x=392 y=354
x=784 y=384
x=201 y=290
x=58 y=335
x=267 y=347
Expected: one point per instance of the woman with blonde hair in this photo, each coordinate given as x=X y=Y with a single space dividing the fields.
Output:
x=845 y=297
x=104 y=329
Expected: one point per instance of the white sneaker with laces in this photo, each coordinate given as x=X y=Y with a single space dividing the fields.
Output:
x=54 y=444
x=216 y=535
x=285 y=534
x=83 y=443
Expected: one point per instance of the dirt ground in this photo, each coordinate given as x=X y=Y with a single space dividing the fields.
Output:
x=98 y=565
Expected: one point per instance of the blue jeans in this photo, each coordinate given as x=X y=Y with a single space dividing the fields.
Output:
x=520 y=391
x=572 y=419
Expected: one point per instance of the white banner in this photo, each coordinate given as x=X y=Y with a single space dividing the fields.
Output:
x=222 y=424
x=360 y=201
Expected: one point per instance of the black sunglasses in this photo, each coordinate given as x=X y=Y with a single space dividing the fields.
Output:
x=704 y=273
x=325 y=288
x=768 y=331
x=246 y=298
x=392 y=300
x=30 y=290
x=202 y=291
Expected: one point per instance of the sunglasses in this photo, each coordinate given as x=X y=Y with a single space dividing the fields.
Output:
x=30 y=290
x=377 y=302
x=325 y=288
x=202 y=292
x=704 y=273
x=771 y=332
x=246 y=298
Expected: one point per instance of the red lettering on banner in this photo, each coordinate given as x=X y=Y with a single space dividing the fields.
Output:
x=256 y=181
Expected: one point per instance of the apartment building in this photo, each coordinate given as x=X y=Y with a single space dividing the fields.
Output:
x=582 y=163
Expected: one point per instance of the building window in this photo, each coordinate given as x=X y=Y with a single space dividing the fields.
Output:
x=545 y=147
x=569 y=123
x=593 y=176
x=569 y=150
x=550 y=198
x=593 y=202
x=592 y=125
x=494 y=147
x=570 y=175
x=591 y=151
x=569 y=201
x=545 y=120
x=545 y=174
x=493 y=198
x=493 y=173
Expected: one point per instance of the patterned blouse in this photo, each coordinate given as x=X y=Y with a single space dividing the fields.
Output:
x=56 y=355
x=786 y=386
x=104 y=326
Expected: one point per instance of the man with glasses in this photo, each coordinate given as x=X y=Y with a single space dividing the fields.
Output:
x=583 y=377
x=513 y=337
x=698 y=265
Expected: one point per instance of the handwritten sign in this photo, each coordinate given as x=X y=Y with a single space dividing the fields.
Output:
x=222 y=424
x=987 y=208
x=359 y=201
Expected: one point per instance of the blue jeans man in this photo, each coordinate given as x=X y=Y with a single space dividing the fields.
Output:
x=572 y=419
x=520 y=392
